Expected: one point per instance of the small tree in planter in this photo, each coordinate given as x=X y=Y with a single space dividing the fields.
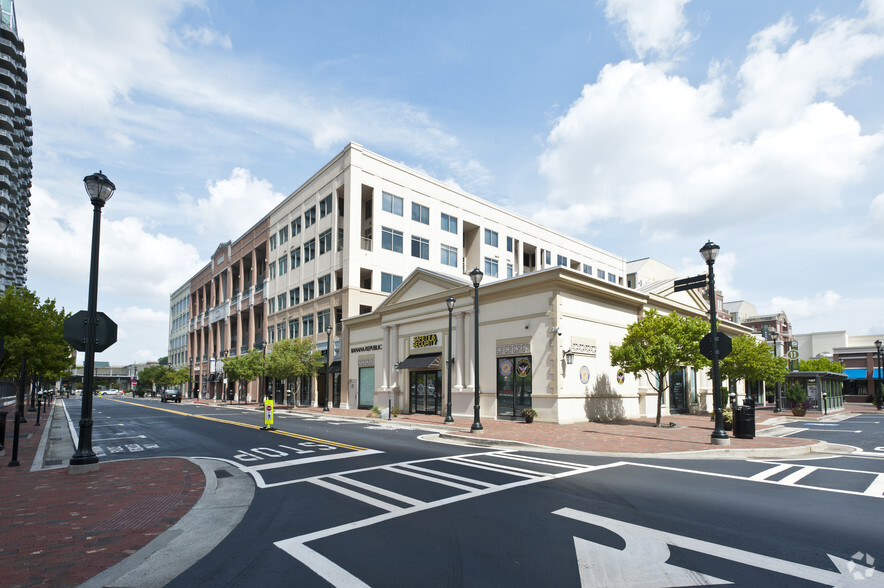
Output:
x=797 y=397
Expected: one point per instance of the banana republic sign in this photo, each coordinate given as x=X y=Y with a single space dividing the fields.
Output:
x=422 y=341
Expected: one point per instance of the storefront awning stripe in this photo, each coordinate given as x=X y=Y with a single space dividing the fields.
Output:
x=855 y=373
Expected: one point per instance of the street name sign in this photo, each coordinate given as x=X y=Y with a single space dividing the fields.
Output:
x=690 y=283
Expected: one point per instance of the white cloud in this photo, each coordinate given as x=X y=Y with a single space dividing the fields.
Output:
x=233 y=205
x=876 y=210
x=643 y=145
x=657 y=26
x=805 y=308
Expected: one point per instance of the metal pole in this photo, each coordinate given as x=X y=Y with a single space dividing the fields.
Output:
x=84 y=454
x=719 y=434
x=448 y=417
x=328 y=363
x=477 y=424
x=19 y=413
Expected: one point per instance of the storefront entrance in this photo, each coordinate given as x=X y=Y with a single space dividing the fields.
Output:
x=678 y=398
x=514 y=376
x=425 y=392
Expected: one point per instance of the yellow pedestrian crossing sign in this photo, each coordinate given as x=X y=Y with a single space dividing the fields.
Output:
x=268 y=414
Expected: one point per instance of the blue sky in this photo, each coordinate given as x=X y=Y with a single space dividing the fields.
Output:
x=644 y=128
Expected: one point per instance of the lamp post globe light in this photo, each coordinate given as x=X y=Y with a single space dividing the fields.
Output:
x=709 y=251
x=328 y=353
x=476 y=276
x=449 y=302
x=100 y=189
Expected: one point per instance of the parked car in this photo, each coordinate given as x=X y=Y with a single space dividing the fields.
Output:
x=170 y=395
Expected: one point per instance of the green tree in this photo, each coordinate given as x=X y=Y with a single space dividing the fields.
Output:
x=242 y=369
x=293 y=359
x=656 y=345
x=33 y=329
x=821 y=364
x=752 y=360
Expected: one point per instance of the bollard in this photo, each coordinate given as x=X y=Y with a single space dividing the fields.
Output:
x=39 y=404
x=389 y=408
x=3 y=415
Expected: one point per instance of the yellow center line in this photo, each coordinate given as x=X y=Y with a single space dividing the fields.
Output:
x=247 y=425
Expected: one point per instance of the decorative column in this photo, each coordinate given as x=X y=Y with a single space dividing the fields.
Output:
x=460 y=352
x=385 y=358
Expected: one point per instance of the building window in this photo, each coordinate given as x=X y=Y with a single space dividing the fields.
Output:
x=324 y=284
x=549 y=258
x=561 y=260
x=309 y=291
x=449 y=255
x=420 y=247
x=293 y=329
x=325 y=241
x=509 y=244
x=309 y=250
x=420 y=213
x=587 y=269
x=509 y=270
x=389 y=282
x=340 y=239
x=271 y=304
x=600 y=274
x=490 y=237
x=612 y=278
x=296 y=257
x=325 y=206
x=280 y=302
x=307 y=325
x=283 y=234
x=272 y=269
x=309 y=216
x=322 y=320
x=449 y=223
x=392 y=203
x=283 y=265
x=296 y=226
x=294 y=296
x=272 y=242
x=391 y=239
x=490 y=267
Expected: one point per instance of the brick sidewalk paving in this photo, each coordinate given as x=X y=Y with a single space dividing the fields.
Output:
x=58 y=529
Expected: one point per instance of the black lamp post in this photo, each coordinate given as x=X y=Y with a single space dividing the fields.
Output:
x=879 y=393
x=709 y=251
x=476 y=276
x=100 y=189
x=328 y=332
x=450 y=303
x=778 y=408
x=263 y=346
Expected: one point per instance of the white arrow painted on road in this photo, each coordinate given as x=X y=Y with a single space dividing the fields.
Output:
x=643 y=561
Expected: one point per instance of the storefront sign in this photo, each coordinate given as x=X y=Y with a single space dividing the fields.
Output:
x=514 y=349
x=364 y=348
x=583 y=346
x=421 y=341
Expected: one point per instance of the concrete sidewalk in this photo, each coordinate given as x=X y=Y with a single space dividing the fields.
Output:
x=109 y=527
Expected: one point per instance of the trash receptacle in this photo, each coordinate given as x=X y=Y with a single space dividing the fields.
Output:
x=744 y=422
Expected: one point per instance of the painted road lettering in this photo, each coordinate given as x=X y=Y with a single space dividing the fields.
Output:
x=261 y=453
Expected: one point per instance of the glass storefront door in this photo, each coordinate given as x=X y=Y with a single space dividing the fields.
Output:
x=426 y=392
x=366 y=387
x=678 y=399
x=514 y=376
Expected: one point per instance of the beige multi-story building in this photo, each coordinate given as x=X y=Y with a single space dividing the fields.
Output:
x=345 y=240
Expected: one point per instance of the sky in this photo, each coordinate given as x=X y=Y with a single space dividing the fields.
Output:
x=643 y=128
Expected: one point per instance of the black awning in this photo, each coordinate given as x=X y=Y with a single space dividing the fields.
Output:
x=422 y=361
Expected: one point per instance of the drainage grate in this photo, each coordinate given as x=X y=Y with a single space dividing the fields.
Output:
x=147 y=512
x=223 y=474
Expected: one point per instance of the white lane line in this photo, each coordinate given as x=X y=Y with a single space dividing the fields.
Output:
x=876 y=488
x=406 y=472
x=306 y=460
x=324 y=483
x=770 y=472
x=377 y=490
x=794 y=477
x=499 y=468
x=436 y=473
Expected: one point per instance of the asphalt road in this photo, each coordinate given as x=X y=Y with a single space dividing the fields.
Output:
x=350 y=503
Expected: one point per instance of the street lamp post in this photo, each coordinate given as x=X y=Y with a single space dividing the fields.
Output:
x=709 y=251
x=879 y=392
x=100 y=189
x=778 y=407
x=476 y=276
x=450 y=303
x=328 y=362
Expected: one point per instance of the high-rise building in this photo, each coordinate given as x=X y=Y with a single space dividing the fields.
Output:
x=15 y=150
